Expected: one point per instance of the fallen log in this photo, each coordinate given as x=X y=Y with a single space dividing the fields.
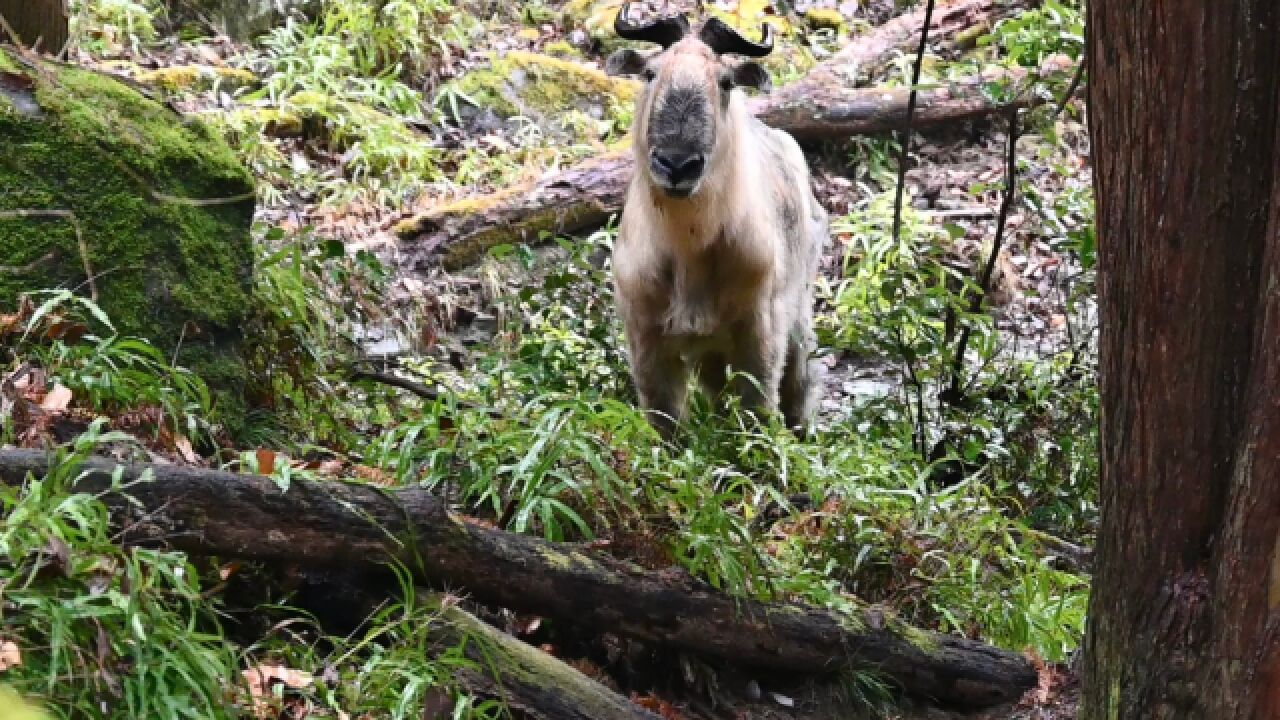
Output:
x=824 y=104
x=217 y=513
x=522 y=677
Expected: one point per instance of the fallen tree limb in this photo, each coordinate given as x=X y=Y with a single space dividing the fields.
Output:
x=824 y=104
x=218 y=513
x=538 y=685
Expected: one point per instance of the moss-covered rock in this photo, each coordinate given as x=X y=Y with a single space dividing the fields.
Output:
x=555 y=93
x=595 y=18
x=162 y=205
x=823 y=19
x=197 y=78
x=562 y=49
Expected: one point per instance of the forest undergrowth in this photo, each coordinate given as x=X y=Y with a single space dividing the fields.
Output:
x=951 y=479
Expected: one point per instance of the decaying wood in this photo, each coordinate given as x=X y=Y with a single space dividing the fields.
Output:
x=325 y=524
x=826 y=103
x=537 y=685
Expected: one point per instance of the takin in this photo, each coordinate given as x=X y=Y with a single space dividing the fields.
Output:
x=720 y=235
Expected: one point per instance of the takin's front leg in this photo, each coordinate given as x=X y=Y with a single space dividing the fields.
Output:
x=661 y=378
x=801 y=377
x=758 y=359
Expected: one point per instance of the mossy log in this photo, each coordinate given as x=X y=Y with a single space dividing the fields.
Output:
x=537 y=685
x=825 y=104
x=327 y=524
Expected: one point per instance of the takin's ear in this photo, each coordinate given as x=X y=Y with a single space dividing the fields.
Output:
x=752 y=75
x=625 y=62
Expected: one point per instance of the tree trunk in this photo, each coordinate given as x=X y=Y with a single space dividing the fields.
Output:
x=37 y=23
x=825 y=104
x=1185 y=613
x=326 y=524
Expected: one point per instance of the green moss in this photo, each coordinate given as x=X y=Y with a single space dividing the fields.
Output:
x=821 y=19
x=164 y=207
x=537 y=14
x=594 y=15
x=562 y=49
x=197 y=78
x=968 y=38
x=271 y=120
x=546 y=88
x=7 y=64
x=506 y=659
x=530 y=230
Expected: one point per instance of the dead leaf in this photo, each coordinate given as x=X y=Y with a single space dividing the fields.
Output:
x=374 y=476
x=10 y=655
x=478 y=522
x=1039 y=695
x=16 y=81
x=331 y=468
x=266 y=461
x=227 y=570
x=262 y=678
x=57 y=399
x=69 y=332
x=657 y=705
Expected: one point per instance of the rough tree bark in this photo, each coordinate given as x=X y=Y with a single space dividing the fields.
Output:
x=826 y=103
x=217 y=513
x=37 y=23
x=1185 y=613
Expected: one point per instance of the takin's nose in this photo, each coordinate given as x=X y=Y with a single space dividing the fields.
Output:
x=676 y=168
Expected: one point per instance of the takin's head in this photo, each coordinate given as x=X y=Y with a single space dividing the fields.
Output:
x=682 y=115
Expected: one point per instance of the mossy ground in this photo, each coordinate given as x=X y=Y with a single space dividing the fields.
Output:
x=197 y=78
x=550 y=90
x=163 y=205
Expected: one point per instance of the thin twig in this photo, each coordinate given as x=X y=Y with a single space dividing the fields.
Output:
x=918 y=439
x=918 y=436
x=1075 y=79
x=395 y=381
x=1071 y=90
x=75 y=224
x=984 y=280
x=911 y=114
x=427 y=393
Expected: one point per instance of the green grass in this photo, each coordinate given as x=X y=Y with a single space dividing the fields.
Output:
x=541 y=434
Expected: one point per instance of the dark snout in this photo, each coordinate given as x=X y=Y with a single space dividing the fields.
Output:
x=676 y=172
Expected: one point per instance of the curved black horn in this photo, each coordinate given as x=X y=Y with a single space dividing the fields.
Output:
x=724 y=40
x=665 y=31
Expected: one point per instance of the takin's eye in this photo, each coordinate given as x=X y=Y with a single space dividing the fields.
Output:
x=726 y=82
x=648 y=74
